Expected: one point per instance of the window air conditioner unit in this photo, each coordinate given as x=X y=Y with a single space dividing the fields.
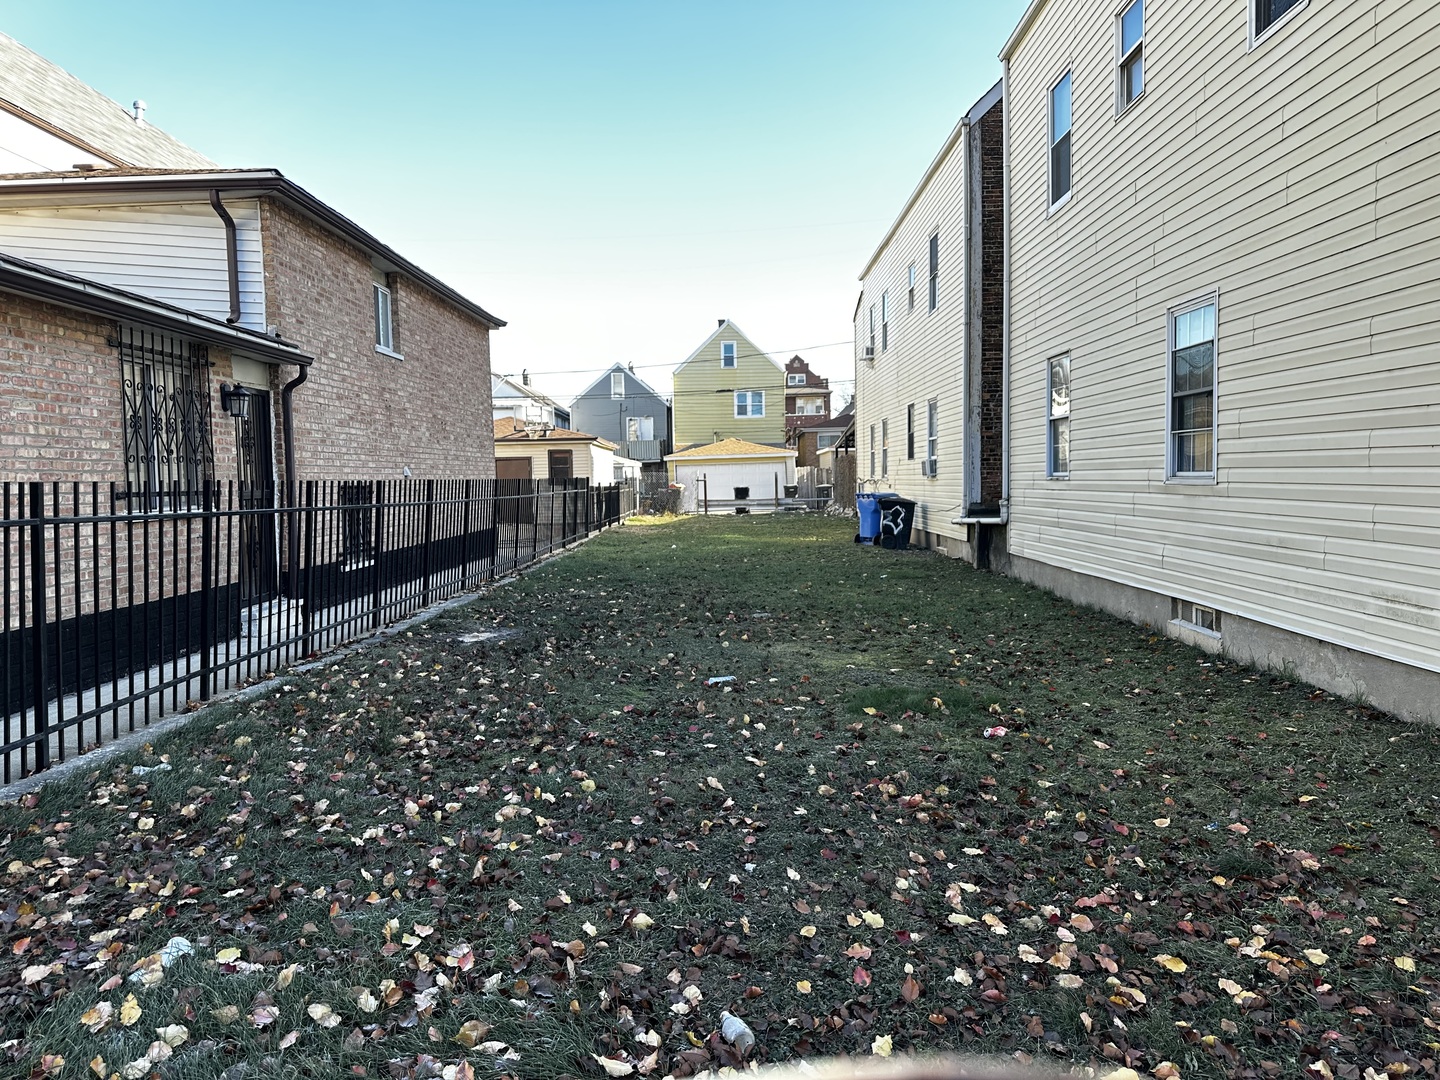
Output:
x=868 y=354
x=928 y=467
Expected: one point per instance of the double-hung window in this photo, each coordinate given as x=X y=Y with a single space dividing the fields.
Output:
x=872 y=330
x=795 y=379
x=1191 y=434
x=1060 y=139
x=932 y=437
x=885 y=320
x=1057 y=413
x=884 y=447
x=934 y=270
x=617 y=384
x=1266 y=13
x=872 y=451
x=911 y=274
x=909 y=432
x=727 y=354
x=749 y=403
x=1132 y=53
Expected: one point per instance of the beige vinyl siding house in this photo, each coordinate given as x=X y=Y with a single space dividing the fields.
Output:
x=729 y=388
x=920 y=377
x=1235 y=307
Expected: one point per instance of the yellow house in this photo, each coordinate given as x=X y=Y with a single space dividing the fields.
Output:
x=729 y=389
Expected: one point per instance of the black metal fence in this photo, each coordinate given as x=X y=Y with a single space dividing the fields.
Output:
x=114 y=618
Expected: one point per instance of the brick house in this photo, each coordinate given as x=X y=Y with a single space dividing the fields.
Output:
x=400 y=383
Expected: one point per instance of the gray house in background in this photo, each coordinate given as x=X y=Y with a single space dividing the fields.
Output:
x=620 y=407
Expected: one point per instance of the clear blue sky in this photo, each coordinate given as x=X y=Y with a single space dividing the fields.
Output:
x=609 y=177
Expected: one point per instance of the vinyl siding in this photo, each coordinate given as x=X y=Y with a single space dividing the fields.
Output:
x=700 y=411
x=926 y=354
x=1299 y=180
x=170 y=251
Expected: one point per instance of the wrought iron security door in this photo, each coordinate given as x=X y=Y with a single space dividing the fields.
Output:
x=255 y=460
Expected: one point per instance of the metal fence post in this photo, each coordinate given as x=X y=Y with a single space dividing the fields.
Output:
x=207 y=600
x=377 y=547
x=425 y=559
x=41 y=725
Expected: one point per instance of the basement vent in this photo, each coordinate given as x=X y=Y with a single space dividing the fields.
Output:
x=1197 y=615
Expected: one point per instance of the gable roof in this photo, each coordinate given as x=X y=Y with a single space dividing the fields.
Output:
x=730 y=448
x=520 y=390
x=53 y=286
x=510 y=430
x=48 y=96
x=719 y=331
x=250 y=183
x=617 y=366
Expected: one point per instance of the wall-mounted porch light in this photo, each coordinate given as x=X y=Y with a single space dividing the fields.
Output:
x=235 y=400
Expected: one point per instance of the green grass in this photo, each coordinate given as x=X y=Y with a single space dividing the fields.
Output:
x=524 y=799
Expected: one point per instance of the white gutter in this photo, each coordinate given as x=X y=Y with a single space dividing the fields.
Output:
x=1022 y=28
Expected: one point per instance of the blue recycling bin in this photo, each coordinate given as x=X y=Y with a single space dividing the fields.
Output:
x=867 y=505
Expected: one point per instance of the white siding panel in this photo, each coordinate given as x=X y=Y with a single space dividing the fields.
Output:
x=171 y=252
x=1301 y=179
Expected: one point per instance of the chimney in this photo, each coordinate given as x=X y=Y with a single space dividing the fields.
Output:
x=525 y=377
x=139 y=111
x=721 y=322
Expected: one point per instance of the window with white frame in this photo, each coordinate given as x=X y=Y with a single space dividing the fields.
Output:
x=1060 y=139
x=872 y=329
x=932 y=436
x=1057 y=415
x=872 y=450
x=795 y=379
x=1192 y=390
x=826 y=439
x=911 y=283
x=639 y=428
x=934 y=270
x=910 y=432
x=884 y=447
x=384 y=325
x=727 y=354
x=1264 y=14
x=885 y=320
x=1131 y=30
x=617 y=384
x=749 y=403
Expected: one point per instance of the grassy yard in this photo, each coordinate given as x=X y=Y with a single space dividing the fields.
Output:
x=528 y=836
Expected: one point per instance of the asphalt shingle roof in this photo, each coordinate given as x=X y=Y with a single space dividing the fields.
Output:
x=34 y=85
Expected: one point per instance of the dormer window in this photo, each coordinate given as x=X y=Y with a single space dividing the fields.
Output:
x=727 y=354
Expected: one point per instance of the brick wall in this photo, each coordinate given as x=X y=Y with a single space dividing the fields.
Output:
x=992 y=304
x=63 y=410
x=362 y=414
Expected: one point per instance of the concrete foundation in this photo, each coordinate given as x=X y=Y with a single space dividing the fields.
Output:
x=1410 y=693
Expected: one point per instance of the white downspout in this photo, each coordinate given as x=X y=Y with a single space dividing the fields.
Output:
x=1005 y=323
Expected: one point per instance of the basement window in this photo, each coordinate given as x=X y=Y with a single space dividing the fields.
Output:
x=1196 y=616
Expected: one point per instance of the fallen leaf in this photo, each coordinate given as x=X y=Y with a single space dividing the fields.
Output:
x=97 y=1018
x=883 y=1046
x=129 y=1010
x=862 y=977
x=613 y=1067
x=1162 y=822
x=323 y=1015
x=289 y=1040
x=1171 y=963
x=1404 y=963
x=1069 y=982
x=1316 y=957
x=803 y=986
x=807 y=931
x=910 y=988
x=228 y=956
x=873 y=920
x=471 y=1032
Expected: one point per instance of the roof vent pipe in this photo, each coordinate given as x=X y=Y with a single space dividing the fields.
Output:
x=139 y=110
x=525 y=377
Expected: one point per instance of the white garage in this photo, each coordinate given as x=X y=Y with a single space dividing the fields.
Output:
x=731 y=475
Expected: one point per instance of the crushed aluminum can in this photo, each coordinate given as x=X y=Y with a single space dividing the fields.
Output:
x=999 y=731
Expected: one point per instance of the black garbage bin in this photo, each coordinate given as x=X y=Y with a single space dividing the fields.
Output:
x=897 y=515
x=741 y=494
